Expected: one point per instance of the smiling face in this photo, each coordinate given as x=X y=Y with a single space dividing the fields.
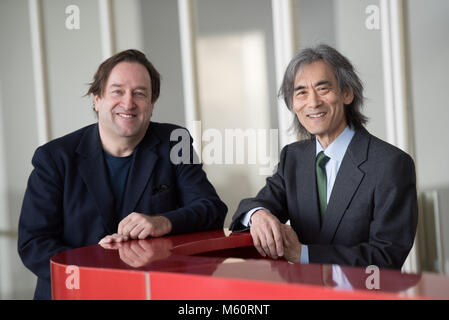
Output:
x=125 y=109
x=319 y=103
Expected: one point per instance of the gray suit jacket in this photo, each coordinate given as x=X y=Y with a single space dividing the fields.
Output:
x=371 y=216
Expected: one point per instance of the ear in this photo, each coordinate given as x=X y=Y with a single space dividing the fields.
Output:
x=152 y=107
x=348 y=97
x=96 y=99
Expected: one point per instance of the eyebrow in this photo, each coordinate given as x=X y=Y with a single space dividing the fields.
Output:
x=319 y=83
x=136 y=88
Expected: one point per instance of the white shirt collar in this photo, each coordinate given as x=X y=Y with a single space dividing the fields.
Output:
x=337 y=149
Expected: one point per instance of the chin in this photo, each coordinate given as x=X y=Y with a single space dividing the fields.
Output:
x=127 y=133
x=315 y=132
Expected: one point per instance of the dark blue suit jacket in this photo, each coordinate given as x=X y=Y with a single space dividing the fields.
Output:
x=69 y=202
x=372 y=213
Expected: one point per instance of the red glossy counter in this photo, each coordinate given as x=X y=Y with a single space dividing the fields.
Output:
x=218 y=265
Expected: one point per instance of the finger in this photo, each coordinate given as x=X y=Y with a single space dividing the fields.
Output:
x=126 y=222
x=260 y=236
x=113 y=238
x=128 y=227
x=264 y=243
x=270 y=246
x=105 y=240
x=145 y=233
x=278 y=241
x=257 y=242
x=273 y=239
x=122 y=224
x=108 y=245
x=120 y=238
x=268 y=227
x=138 y=228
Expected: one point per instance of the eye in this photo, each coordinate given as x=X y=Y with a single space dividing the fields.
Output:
x=323 y=90
x=139 y=94
x=302 y=95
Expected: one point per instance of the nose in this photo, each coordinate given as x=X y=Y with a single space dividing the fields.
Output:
x=127 y=101
x=314 y=99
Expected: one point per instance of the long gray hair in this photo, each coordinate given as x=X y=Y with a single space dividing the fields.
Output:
x=345 y=74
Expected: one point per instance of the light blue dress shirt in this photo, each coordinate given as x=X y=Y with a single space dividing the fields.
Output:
x=335 y=151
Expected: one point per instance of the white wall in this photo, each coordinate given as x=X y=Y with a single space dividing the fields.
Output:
x=161 y=44
x=429 y=50
x=429 y=31
x=341 y=23
x=363 y=47
x=18 y=140
x=72 y=57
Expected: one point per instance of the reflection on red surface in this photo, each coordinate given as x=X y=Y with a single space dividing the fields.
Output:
x=139 y=253
x=218 y=265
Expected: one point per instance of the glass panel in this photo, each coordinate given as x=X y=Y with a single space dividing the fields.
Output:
x=237 y=95
x=160 y=37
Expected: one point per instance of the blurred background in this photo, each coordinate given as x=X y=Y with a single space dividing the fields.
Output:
x=221 y=63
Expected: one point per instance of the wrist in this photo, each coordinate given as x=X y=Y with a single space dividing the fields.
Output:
x=255 y=214
x=168 y=226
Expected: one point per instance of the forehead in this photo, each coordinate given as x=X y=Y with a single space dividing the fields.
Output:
x=314 y=72
x=129 y=73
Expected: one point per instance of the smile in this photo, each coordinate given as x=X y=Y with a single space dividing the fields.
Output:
x=317 y=115
x=127 y=116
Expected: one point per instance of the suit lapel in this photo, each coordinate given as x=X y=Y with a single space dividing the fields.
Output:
x=346 y=184
x=307 y=198
x=92 y=170
x=142 y=167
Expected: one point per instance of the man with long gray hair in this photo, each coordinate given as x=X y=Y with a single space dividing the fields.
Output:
x=350 y=197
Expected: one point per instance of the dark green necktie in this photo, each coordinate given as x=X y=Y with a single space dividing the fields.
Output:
x=321 y=180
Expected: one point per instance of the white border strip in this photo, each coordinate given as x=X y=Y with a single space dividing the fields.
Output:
x=387 y=71
x=188 y=60
x=186 y=12
x=398 y=55
x=40 y=79
x=438 y=231
x=284 y=48
x=395 y=88
x=395 y=84
x=106 y=28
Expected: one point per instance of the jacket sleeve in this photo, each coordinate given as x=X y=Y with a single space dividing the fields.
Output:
x=201 y=208
x=393 y=226
x=41 y=220
x=272 y=197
